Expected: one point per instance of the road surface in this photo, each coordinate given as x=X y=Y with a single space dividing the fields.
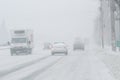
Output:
x=77 y=65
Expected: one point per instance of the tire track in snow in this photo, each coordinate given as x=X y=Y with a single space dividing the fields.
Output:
x=21 y=66
x=36 y=73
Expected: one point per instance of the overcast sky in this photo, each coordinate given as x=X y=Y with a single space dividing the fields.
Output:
x=51 y=18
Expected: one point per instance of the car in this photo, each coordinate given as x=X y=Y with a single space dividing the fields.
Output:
x=59 y=48
x=79 y=45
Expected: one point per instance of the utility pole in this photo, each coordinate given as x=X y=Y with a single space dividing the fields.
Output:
x=102 y=24
x=113 y=36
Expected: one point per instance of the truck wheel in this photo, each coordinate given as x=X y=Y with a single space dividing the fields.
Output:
x=11 y=51
x=29 y=51
x=66 y=53
x=52 y=53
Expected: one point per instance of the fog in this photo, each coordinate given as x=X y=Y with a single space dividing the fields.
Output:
x=51 y=20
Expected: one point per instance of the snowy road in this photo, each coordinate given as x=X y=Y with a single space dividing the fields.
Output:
x=76 y=66
x=20 y=66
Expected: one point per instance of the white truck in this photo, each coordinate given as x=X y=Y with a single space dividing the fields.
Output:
x=21 y=42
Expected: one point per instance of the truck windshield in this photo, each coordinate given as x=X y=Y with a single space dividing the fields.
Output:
x=19 y=40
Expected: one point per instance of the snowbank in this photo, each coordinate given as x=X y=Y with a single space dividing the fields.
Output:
x=111 y=60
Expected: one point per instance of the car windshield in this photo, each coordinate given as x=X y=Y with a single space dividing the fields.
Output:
x=19 y=40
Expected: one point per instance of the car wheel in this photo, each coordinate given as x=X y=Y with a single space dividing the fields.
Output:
x=83 y=49
x=66 y=53
x=52 y=53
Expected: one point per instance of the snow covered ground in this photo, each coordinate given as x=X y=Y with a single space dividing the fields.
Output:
x=78 y=65
x=111 y=60
x=9 y=64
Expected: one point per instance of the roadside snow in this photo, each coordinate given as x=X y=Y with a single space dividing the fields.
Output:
x=111 y=60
